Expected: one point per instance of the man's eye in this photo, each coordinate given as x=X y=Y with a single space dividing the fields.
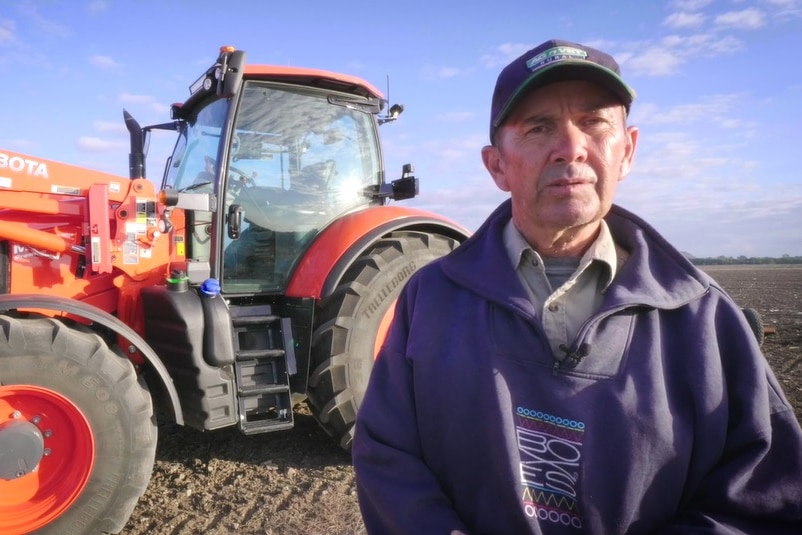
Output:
x=593 y=121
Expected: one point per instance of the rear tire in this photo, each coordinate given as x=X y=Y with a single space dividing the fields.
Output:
x=756 y=324
x=352 y=323
x=53 y=362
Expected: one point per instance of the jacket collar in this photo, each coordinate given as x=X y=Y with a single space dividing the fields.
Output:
x=655 y=274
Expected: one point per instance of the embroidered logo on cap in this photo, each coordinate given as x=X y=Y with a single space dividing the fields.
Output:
x=558 y=53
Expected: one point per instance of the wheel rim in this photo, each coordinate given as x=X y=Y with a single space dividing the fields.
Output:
x=384 y=326
x=37 y=498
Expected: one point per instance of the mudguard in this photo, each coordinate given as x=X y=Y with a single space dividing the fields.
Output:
x=320 y=270
x=96 y=315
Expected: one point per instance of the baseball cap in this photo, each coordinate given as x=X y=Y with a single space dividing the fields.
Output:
x=554 y=61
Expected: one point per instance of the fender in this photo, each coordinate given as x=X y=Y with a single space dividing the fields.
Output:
x=77 y=308
x=329 y=256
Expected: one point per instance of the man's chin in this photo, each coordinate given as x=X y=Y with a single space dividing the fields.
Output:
x=575 y=215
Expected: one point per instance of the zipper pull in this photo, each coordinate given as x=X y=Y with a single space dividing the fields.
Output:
x=571 y=357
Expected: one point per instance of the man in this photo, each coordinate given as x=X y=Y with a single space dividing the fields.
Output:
x=566 y=370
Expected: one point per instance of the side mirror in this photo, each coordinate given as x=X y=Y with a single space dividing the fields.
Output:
x=404 y=188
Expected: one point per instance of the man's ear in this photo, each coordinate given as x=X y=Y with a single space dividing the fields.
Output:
x=629 y=152
x=491 y=157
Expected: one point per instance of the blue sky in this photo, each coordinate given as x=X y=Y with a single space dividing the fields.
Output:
x=719 y=86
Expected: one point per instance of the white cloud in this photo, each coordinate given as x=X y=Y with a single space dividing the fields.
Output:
x=690 y=5
x=785 y=8
x=7 y=31
x=684 y=20
x=726 y=44
x=97 y=6
x=95 y=144
x=106 y=127
x=440 y=73
x=654 y=61
x=146 y=101
x=448 y=72
x=503 y=54
x=456 y=151
x=733 y=123
x=30 y=12
x=353 y=65
x=666 y=56
x=20 y=144
x=128 y=98
x=708 y=108
x=748 y=19
x=105 y=63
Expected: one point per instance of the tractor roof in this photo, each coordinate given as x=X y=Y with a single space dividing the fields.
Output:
x=313 y=77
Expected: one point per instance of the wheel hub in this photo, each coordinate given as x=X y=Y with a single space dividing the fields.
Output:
x=22 y=446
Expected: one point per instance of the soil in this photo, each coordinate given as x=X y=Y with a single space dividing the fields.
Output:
x=301 y=482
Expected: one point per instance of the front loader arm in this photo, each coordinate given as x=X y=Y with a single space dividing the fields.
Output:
x=59 y=209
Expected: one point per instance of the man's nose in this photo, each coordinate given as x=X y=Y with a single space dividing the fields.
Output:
x=570 y=144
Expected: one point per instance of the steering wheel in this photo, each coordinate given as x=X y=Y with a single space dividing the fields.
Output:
x=245 y=180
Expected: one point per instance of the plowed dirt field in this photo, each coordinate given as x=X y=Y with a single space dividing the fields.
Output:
x=299 y=482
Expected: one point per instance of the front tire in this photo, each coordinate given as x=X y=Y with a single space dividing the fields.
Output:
x=353 y=321
x=96 y=420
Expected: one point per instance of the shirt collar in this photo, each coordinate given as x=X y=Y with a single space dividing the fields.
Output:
x=603 y=250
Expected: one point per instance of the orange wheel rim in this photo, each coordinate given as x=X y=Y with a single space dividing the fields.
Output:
x=38 y=497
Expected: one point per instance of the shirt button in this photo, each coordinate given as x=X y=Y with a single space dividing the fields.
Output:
x=554 y=307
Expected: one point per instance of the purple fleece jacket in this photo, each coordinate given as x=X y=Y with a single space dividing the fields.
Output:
x=671 y=423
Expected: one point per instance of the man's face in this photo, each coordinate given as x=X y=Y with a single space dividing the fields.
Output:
x=561 y=153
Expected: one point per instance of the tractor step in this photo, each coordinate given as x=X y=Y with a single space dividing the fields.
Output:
x=251 y=354
x=264 y=361
x=257 y=319
x=263 y=389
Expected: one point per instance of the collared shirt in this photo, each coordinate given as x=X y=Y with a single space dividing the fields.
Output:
x=564 y=309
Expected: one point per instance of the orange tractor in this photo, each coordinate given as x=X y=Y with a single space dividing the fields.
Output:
x=261 y=274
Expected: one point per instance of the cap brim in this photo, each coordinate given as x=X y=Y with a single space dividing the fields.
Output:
x=570 y=70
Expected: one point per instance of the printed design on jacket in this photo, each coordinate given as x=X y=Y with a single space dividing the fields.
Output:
x=551 y=451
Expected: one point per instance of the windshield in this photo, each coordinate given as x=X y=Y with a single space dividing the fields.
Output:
x=192 y=168
x=297 y=160
x=296 y=163
x=192 y=162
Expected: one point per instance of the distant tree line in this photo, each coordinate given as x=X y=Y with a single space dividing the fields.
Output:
x=733 y=260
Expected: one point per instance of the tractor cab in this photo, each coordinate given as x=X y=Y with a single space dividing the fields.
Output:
x=283 y=152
